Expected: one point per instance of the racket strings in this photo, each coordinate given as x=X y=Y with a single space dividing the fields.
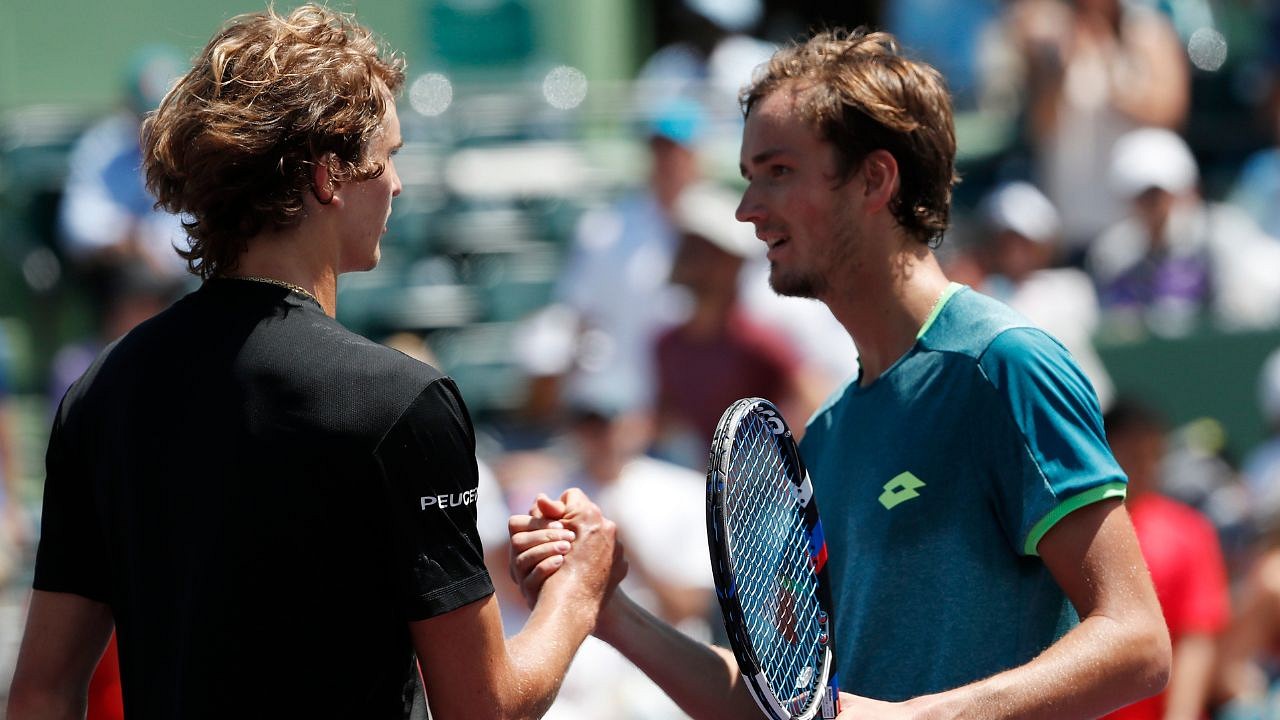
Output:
x=769 y=542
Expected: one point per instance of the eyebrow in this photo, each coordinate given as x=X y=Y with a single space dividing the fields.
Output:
x=760 y=158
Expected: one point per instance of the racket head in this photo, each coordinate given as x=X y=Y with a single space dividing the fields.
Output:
x=768 y=558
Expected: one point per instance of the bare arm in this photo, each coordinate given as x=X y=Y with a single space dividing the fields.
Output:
x=1118 y=654
x=1189 y=686
x=12 y=521
x=702 y=679
x=63 y=641
x=1252 y=631
x=1150 y=81
x=471 y=670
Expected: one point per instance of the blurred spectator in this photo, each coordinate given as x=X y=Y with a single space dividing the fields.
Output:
x=947 y=34
x=1250 y=649
x=1245 y=687
x=613 y=296
x=1023 y=234
x=128 y=296
x=1176 y=255
x=660 y=511
x=13 y=522
x=1182 y=552
x=106 y=697
x=107 y=218
x=1093 y=71
x=719 y=354
x=1262 y=466
x=1257 y=191
x=713 y=58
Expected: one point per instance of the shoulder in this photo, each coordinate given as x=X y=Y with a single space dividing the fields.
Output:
x=1026 y=360
x=375 y=381
x=969 y=323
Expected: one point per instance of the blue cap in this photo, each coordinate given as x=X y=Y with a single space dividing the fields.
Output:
x=681 y=121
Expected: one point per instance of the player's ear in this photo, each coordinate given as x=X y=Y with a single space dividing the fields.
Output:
x=323 y=187
x=880 y=178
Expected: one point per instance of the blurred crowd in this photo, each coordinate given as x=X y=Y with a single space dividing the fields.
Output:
x=1095 y=223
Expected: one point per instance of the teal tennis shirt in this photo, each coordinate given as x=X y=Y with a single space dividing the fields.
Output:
x=937 y=482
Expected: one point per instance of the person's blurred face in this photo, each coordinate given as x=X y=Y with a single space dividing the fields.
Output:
x=1017 y=256
x=1139 y=451
x=675 y=167
x=704 y=268
x=1152 y=207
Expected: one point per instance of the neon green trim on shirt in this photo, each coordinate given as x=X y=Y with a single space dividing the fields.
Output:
x=937 y=307
x=1073 y=503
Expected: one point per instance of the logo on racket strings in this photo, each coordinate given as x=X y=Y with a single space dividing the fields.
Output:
x=772 y=419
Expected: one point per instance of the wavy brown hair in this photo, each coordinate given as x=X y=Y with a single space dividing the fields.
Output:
x=234 y=143
x=862 y=94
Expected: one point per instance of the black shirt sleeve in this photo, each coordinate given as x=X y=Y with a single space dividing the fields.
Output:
x=71 y=556
x=429 y=472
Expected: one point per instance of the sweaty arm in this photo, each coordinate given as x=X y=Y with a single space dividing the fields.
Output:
x=64 y=638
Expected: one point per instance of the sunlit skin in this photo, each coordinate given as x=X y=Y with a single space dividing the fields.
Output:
x=796 y=201
x=369 y=201
x=836 y=241
x=341 y=228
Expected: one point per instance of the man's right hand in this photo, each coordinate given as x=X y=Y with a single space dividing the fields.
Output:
x=569 y=538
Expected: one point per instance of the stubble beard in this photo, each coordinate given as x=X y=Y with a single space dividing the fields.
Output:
x=796 y=283
x=814 y=282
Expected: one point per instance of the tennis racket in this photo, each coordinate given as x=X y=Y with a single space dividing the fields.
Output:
x=769 y=557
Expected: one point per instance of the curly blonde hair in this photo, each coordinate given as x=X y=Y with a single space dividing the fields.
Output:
x=234 y=143
x=861 y=94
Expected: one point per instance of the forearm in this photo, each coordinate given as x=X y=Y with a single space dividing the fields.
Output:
x=1189 y=685
x=703 y=680
x=33 y=704
x=1150 y=81
x=8 y=454
x=64 y=638
x=1102 y=664
x=539 y=655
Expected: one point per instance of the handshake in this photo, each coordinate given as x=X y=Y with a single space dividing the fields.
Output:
x=566 y=551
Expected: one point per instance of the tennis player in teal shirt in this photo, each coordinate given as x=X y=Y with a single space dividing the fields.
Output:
x=942 y=476
x=982 y=562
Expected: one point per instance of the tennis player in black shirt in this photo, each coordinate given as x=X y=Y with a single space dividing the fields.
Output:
x=274 y=513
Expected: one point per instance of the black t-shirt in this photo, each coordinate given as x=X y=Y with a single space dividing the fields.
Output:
x=264 y=499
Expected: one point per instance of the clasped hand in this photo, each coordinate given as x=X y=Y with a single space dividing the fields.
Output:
x=569 y=537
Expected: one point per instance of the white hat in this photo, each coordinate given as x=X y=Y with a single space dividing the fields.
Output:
x=1152 y=157
x=1269 y=388
x=708 y=211
x=731 y=15
x=1020 y=207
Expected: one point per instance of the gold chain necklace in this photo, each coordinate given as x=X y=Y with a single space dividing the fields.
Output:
x=278 y=283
